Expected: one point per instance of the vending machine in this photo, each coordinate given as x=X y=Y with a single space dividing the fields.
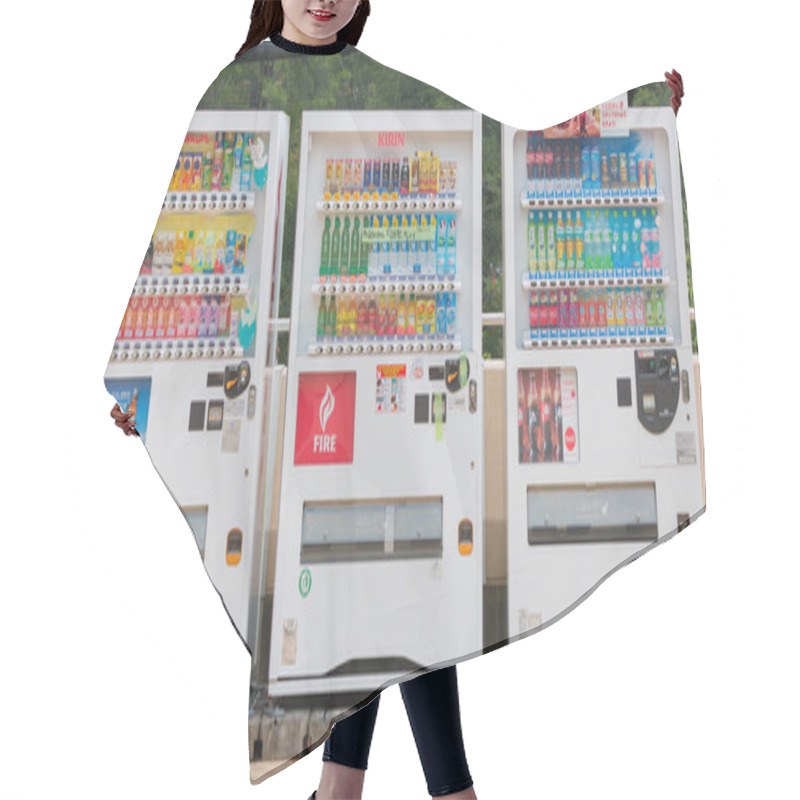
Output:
x=194 y=351
x=603 y=443
x=380 y=555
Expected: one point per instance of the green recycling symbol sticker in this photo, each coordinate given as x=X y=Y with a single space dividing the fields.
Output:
x=305 y=582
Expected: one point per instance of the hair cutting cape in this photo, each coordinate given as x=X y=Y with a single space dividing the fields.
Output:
x=418 y=381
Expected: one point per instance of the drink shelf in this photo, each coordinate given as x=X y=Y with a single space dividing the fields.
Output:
x=595 y=280
x=375 y=346
x=569 y=203
x=391 y=285
x=190 y=284
x=210 y=201
x=590 y=338
x=402 y=205
x=175 y=349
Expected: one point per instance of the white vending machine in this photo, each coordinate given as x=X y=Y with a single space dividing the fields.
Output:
x=603 y=443
x=193 y=350
x=381 y=503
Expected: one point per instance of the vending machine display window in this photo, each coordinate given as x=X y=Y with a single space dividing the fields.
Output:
x=547 y=415
x=601 y=513
x=198 y=521
x=371 y=530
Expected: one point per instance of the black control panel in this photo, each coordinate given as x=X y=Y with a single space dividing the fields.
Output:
x=658 y=387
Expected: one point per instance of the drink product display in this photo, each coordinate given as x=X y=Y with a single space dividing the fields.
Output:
x=186 y=316
x=358 y=247
x=613 y=311
x=207 y=247
x=617 y=242
x=588 y=168
x=390 y=315
x=209 y=162
x=421 y=173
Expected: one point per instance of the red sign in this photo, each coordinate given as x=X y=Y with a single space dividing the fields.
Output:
x=326 y=410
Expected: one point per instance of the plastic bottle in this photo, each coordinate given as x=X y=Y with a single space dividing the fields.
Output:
x=569 y=236
x=344 y=256
x=551 y=243
x=532 y=261
x=450 y=314
x=627 y=259
x=636 y=242
x=561 y=244
x=336 y=245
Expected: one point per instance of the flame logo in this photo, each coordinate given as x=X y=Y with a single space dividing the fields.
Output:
x=326 y=407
